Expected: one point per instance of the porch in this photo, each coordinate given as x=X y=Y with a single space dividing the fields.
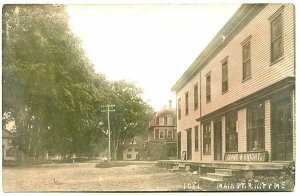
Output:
x=227 y=165
x=221 y=170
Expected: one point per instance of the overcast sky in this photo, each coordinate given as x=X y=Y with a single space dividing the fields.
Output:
x=151 y=45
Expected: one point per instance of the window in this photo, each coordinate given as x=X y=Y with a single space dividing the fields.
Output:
x=224 y=76
x=231 y=132
x=161 y=120
x=255 y=127
x=128 y=156
x=170 y=134
x=170 y=120
x=246 y=59
x=206 y=138
x=161 y=134
x=186 y=103
x=165 y=120
x=179 y=109
x=196 y=138
x=196 y=96
x=156 y=134
x=10 y=152
x=208 y=98
x=276 y=37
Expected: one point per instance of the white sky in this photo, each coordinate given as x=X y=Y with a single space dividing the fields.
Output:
x=151 y=45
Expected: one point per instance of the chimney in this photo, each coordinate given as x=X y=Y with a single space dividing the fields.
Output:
x=170 y=104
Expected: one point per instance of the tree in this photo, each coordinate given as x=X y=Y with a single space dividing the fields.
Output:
x=131 y=114
x=51 y=91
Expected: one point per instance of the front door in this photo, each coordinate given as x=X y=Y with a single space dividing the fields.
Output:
x=189 y=144
x=282 y=130
x=218 y=140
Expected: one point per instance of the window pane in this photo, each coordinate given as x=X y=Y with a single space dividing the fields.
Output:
x=276 y=26
x=246 y=51
x=246 y=69
x=276 y=49
x=208 y=88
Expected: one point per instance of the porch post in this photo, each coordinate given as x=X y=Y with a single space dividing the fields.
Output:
x=268 y=128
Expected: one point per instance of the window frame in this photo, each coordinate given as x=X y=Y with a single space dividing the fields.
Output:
x=172 y=136
x=163 y=134
x=196 y=130
x=208 y=87
x=207 y=138
x=246 y=77
x=223 y=63
x=187 y=103
x=231 y=119
x=196 y=96
x=279 y=12
x=254 y=128
x=179 y=108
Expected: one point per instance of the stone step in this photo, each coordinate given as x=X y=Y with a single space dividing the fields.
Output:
x=176 y=168
x=220 y=177
x=229 y=172
x=209 y=179
x=173 y=170
x=181 y=165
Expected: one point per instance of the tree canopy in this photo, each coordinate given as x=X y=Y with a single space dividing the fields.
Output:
x=51 y=91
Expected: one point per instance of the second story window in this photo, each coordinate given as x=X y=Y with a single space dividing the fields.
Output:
x=224 y=76
x=165 y=120
x=161 y=120
x=179 y=109
x=170 y=120
x=186 y=103
x=208 y=97
x=246 y=59
x=276 y=37
x=196 y=96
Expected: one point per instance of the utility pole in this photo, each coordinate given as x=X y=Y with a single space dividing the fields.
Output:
x=109 y=108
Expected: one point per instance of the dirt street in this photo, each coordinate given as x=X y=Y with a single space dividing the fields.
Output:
x=86 y=177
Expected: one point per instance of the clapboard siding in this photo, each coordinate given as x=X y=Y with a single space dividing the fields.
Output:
x=263 y=73
x=189 y=121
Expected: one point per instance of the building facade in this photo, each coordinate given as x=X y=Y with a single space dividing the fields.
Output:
x=236 y=102
x=162 y=134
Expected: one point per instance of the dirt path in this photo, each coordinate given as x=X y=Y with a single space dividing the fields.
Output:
x=86 y=177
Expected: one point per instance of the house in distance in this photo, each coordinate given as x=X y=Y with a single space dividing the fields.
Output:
x=162 y=134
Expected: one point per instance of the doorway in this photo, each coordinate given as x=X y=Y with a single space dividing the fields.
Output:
x=218 y=140
x=282 y=130
x=189 y=144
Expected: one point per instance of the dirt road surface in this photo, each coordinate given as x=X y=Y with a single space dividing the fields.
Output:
x=86 y=177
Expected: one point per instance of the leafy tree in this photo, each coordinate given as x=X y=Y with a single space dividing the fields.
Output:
x=131 y=114
x=51 y=91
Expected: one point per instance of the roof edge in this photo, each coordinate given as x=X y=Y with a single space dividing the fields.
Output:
x=233 y=26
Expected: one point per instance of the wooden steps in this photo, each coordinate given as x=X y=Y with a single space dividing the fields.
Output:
x=221 y=175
